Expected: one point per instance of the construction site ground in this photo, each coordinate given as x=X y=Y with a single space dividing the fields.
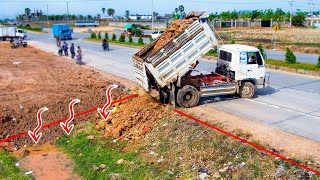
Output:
x=148 y=138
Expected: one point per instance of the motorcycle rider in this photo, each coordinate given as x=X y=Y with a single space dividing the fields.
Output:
x=105 y=44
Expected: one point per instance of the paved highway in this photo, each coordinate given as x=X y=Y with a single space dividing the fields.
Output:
x=291 y=103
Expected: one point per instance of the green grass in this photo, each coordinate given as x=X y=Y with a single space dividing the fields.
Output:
x=118 y=42
x=8 y=170
x=212 y=52
x=36 y=29
x=89 y=153
x=297 y=65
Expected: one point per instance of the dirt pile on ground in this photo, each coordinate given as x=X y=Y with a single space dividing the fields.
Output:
x=132 y=119
x=31 y=79
x=175 y=28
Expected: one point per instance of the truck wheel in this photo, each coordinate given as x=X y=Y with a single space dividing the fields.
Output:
x=246 y=90
x=188 y=96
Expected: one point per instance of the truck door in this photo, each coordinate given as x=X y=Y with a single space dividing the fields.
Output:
x=255 y=67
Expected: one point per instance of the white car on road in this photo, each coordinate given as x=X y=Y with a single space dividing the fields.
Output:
x=156 y=34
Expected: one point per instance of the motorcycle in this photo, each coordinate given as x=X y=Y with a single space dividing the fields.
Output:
x=18 y=43
x=105 y=46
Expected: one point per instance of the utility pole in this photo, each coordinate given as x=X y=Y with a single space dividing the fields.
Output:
x=68 y=12
x=48 y=17
x=152 y=17
x=291 y=4
x=311 y=3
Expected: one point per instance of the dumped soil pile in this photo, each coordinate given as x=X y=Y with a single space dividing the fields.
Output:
x=31 y=79
x=132 y=119
x=174 y=29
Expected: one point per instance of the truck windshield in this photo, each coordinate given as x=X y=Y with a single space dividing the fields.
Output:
x=251 y=58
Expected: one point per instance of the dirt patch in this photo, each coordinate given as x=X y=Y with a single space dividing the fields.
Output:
x=47 y=162
x=43 y=80
x=293 y=145
x=131 y=120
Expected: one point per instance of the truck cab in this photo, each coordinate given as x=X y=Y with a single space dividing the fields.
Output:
x=62 y=31
x=242 y=63
x=21 y=33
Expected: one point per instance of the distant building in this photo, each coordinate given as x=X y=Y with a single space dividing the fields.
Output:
x=140 y=17
x=314 y=21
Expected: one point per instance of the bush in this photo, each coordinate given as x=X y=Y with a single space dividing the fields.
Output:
x=106 y=36
x=262 y=51
x=140 y=41
x=113 y=37
x=290 y=57
x=137 y=32
x=93 y=35
x=318 y=65
x=232 y=42
x=99 y=35
x=150 y=38
x=122 y=38
x=130 y=39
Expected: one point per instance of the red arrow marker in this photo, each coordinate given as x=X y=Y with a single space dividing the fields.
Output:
x=33 y=134
x=102 y=111
x=65 y=126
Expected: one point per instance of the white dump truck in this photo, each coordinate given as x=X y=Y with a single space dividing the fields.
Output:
x=240 y=68
x=12 y=33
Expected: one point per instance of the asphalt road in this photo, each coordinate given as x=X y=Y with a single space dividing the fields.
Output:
x=291 y=103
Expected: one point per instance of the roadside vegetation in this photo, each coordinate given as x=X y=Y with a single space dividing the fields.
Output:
x=114 y=40
x=97 y=157
x=8 y=169
x=175 y=148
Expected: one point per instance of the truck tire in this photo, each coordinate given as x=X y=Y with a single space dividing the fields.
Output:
x=246 y=90
x=188 y=96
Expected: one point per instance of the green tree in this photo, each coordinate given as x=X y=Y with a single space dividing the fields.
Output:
x=234 y=15
x=299 y=18
x=140 y=40
x=99 y=35
x=225 y=15
x=290 y=57
x=93 y=35
x=127 y=14
x=103 y=11
x=111 y=12
x=106 y=35
x=122 y=38
x=130 y=39
x=113 y=37
x=318 y=65
x=27 y=12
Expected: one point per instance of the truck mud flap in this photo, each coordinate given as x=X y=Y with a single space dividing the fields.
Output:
x=140 y=74
x=219 y=89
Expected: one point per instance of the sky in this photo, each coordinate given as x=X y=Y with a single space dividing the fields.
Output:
x=11 y=8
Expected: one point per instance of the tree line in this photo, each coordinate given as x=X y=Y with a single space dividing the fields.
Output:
x=268 y=14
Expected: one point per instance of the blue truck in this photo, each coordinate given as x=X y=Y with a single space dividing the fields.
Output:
x=62 y=31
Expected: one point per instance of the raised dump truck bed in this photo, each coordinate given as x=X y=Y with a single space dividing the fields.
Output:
x=176 y=57
x=166 y=70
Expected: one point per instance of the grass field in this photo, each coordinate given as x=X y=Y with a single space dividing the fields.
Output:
x=8 y=169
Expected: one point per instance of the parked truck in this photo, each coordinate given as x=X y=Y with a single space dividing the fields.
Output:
x=62 y=31
x=86 y=23
x=168 y=72
x=12 y=33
